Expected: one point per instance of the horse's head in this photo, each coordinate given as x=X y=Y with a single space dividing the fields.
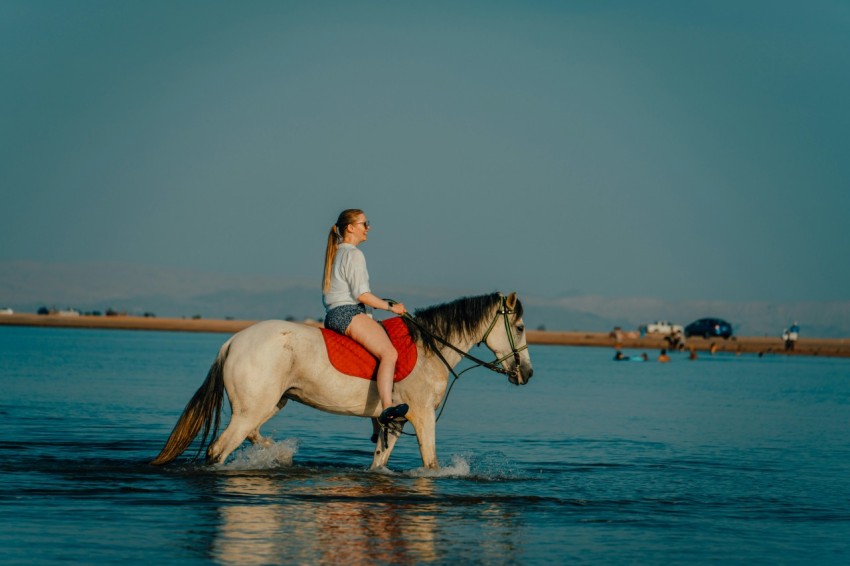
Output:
x=506 y=338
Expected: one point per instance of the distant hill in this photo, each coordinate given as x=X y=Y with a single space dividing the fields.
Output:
x=26 y=286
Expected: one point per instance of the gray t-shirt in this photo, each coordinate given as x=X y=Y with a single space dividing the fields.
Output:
x=349 y=277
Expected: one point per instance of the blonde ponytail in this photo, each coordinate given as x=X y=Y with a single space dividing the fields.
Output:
x=335 y=236
x=330 y=253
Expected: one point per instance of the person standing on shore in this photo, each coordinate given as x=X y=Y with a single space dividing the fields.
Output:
x=793 y=334
x=346 y=294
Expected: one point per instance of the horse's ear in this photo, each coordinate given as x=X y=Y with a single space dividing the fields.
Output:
x=510 y=302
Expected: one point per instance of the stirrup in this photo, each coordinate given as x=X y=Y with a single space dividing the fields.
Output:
x=392 y=413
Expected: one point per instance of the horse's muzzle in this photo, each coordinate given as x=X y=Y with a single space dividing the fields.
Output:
x=520 y=374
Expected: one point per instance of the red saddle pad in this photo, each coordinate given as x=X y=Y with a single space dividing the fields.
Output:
x=350 y=358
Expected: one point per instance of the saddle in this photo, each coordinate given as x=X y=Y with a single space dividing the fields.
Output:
x=350 y=358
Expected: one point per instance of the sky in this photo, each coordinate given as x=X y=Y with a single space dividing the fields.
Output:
x=674 y=149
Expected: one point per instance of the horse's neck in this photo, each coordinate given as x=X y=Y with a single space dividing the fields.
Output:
x=452 y=356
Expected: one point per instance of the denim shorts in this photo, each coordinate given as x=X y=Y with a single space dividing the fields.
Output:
x=338 y=318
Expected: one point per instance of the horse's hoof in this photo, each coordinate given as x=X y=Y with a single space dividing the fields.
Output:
x=392 y=413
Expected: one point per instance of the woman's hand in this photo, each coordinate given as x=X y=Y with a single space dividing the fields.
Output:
x=397 y=308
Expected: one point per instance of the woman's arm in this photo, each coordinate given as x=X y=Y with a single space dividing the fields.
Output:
x=375 y=302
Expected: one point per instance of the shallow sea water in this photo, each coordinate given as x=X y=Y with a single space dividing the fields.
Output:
x=727 y=458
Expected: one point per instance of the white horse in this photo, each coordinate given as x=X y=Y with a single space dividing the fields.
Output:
x=271 y=362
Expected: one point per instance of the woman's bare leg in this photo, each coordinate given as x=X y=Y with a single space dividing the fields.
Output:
x=372 y=336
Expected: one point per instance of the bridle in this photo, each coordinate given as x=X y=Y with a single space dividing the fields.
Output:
x=505 y=311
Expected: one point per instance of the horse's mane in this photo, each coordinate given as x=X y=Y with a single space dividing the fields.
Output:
x=454 y=321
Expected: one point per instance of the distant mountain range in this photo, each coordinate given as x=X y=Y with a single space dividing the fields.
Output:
x=27 y=286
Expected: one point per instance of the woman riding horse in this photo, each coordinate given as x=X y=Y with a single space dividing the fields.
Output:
x=266 y=365
x=346 y=294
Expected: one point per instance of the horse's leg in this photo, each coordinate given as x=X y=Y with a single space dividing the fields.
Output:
x=237 y=430
x=424 y=422
x=258 y=439
x=376 y=429
x=249 y=414
x=387 y=438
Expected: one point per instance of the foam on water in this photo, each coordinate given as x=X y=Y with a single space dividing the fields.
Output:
x=280 y=454
x=254 y=457
x=487 y=466
x=459 y=467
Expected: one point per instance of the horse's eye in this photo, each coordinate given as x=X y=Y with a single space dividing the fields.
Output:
x=520 y=328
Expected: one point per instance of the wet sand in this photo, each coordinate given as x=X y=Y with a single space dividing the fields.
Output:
x=839 y=347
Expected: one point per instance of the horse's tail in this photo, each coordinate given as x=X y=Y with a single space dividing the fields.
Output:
x=203 y=410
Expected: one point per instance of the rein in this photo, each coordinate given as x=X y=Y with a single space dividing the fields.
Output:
x=493 y=366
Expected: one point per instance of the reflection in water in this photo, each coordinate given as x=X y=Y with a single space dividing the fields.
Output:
x=248 y=532
x=311 y=516
x=371 y=521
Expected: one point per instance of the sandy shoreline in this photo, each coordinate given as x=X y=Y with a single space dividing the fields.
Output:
x=838 y=347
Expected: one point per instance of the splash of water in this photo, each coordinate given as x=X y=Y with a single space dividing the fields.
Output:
x=487 y=466
x=255 y=457
x=458 y=468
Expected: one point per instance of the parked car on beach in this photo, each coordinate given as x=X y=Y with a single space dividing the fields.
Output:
x=663 y=328
x=68 y=312
x=709 y=327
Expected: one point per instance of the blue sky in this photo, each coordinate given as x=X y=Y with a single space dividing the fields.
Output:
x=680 y=150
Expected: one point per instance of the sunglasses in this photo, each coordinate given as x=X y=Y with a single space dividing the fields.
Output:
x=365 y=223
